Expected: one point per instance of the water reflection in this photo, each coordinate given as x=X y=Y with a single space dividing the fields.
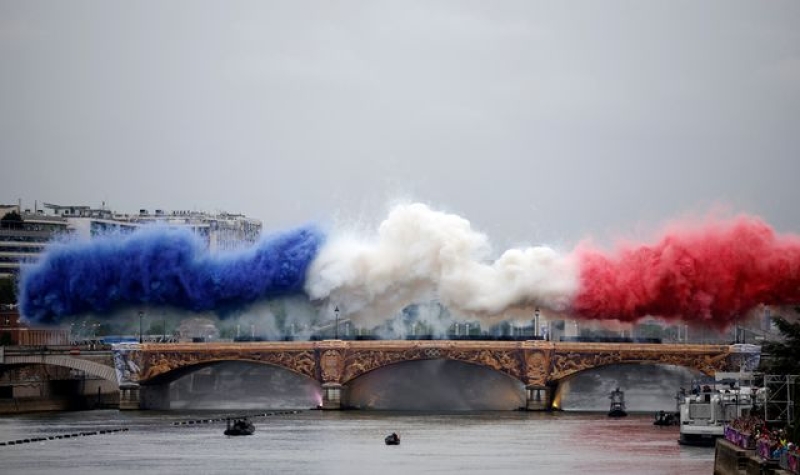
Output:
x=647 y=388
x=239 y=385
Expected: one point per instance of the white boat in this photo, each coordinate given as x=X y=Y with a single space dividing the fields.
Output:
x=713 y=404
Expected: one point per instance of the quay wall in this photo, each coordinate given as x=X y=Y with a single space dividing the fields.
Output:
x=58 y=395
x=76 y=403
x=730 y=459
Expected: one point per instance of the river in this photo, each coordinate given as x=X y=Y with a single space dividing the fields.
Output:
x=350 y=442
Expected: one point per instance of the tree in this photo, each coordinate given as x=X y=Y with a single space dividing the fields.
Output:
x=782 y=357
x=8 y=292
x=11 y=220
x=6 y=339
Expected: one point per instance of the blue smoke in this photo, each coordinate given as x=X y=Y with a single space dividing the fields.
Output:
x=162 y=266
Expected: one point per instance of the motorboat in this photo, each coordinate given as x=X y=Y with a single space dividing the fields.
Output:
x=617 y=408
x=712 y=404
x=392 y=439
x=240 y=427
x=664 y=418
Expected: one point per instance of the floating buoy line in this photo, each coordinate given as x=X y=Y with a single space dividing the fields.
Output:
x=223 y=419
x=125 y=429
x=62 y=436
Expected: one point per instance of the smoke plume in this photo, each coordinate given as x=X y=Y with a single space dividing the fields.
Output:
x=420 y=254
x=710 y=274
x=162 y=266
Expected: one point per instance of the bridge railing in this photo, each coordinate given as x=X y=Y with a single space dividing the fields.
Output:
x=43 y=349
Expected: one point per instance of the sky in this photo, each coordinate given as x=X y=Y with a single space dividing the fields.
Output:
x=539 y=122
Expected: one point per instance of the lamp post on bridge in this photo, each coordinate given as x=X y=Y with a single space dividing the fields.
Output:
x=336 y=328
x=141 y=314
x=536 y=322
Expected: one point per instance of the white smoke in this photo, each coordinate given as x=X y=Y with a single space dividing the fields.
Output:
x=420 y=255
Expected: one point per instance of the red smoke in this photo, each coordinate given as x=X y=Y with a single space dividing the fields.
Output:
x=711 y=274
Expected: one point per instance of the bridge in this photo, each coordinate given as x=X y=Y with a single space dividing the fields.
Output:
x=145 y=369
x=98 y=363
x=56 y=377
x=142 y=372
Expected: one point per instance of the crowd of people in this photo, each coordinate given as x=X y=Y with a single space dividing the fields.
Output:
x=775 y=439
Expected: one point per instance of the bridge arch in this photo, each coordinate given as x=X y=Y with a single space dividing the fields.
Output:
x=157 y=377
x=89 y=367
x=434 y=384
x=361 y=362
x=155 y=364
x=648 y=386
x=569 y=375
x=574 y=360
x=239 y=383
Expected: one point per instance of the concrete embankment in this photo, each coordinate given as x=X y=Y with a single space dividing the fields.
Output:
x=730 y=459
x=19 y=406
x=73 y=403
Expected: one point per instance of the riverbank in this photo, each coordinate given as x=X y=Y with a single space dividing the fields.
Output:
x=730 y=459
x=72 y=403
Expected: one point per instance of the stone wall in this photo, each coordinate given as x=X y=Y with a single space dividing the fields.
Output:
x=730 y=459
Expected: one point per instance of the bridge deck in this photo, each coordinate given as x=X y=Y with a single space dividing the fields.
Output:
x=567 y=347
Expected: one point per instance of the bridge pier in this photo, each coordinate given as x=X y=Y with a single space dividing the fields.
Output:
x=154 y=397
x=129 y=397
x=539 y=398
x=331 y=396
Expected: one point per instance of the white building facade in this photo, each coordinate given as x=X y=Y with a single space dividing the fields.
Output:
x=23 y=240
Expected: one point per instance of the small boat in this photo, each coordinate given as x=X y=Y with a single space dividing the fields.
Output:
x=240 y=427
x=392 y=439
x=617 y=408
x=666 y=419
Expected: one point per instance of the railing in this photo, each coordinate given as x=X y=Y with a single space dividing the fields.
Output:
x=744 y=440
x=7 y=233
x=786 y=456
x=52 y=349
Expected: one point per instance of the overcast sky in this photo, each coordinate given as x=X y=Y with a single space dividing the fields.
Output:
x=540 y=122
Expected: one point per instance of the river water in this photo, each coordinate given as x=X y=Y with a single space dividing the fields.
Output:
x=350 y=442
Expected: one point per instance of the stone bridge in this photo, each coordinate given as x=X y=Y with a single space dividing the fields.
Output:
x=97 y=363
x=35 y=378
x=539 y=365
